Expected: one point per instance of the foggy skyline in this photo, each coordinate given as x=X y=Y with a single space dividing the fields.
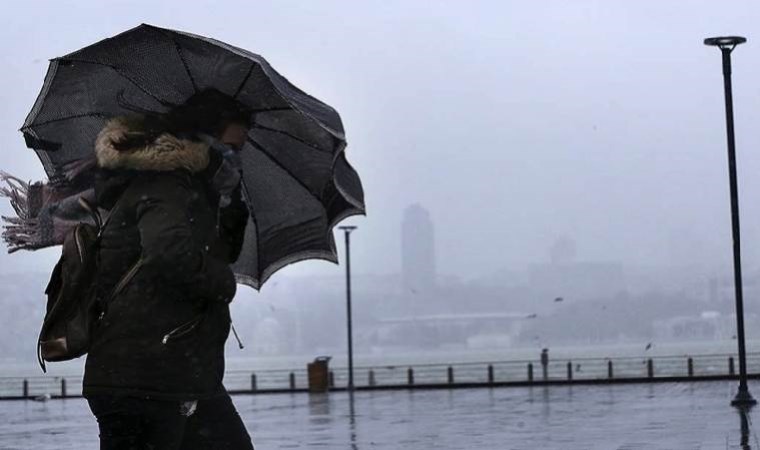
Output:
x=513 y=123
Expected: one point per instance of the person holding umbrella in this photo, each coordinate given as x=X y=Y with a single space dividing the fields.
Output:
x=153 y=375
x=215 y=169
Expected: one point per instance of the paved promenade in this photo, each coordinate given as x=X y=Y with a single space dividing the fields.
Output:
x=605 y=417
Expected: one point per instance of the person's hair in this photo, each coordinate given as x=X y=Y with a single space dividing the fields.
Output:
x=208 y=111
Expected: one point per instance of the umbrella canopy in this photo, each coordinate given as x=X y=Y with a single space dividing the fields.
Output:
x=297 y=182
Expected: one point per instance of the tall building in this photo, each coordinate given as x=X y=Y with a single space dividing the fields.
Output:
x=417 y=250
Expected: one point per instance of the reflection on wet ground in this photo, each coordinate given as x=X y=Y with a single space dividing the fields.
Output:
x=624 y=417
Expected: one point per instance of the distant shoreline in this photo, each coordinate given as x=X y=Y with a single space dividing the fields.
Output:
x=14 y=367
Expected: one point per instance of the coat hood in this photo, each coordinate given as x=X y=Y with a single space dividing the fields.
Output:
x=167 y=152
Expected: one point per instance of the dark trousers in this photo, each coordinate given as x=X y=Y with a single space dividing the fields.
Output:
x=131 y=423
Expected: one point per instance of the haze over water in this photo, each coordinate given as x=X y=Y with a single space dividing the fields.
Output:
x=514 y=124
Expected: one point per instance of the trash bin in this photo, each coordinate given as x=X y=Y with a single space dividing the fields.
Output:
x=319 y=374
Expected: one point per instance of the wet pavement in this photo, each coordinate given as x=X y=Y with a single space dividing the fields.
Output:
x=618 y=417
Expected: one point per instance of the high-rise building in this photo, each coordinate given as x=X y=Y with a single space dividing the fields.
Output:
x=417 y=250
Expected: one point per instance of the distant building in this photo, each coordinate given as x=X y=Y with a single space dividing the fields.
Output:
x=577 y=280
x=564 y=278
x=417 y=251
x=447 y=331
x=709 y=325
x=562 y=251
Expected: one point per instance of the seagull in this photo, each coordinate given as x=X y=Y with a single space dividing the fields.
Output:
x=649 y=345
x=531 y=316
x=559 y=299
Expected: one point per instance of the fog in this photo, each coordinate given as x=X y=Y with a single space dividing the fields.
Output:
x=515 y=124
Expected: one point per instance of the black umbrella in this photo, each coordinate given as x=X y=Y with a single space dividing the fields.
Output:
x=297 y=181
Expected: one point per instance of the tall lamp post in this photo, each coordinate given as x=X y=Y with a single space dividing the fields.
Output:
x=726 y=44
x=347 y=232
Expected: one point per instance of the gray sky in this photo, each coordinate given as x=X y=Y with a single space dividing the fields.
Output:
x=513 y=122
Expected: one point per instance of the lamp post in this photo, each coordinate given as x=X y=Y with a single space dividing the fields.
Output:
x=726 y=44
x=347 y=232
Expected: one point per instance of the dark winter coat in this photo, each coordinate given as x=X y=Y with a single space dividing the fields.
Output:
x=165 y=254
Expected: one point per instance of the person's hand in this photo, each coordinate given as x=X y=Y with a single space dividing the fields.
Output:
x=224 y=171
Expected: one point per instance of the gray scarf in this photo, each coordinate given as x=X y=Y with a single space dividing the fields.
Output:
x=47 y=211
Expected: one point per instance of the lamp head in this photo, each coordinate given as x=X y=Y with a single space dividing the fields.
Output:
x=725 y=42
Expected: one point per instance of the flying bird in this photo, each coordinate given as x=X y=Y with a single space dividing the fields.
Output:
x=559 y=299
x=649 y=345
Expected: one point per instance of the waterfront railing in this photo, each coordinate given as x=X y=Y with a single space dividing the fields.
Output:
x=470 y=374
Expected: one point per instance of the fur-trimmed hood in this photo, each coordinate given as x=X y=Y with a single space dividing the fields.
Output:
x=167 y=152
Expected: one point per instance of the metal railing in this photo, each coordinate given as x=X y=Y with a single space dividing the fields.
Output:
x=582 y=370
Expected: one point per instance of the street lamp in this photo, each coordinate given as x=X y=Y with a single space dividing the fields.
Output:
x=726 y=44
x=347 y=231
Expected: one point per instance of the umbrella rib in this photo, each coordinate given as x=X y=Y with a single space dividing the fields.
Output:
x=245 y=80
x=261 y=148
x=76 y=116
x=278 y=108
x=184 y=63
x=295 y=138
x=163 y=102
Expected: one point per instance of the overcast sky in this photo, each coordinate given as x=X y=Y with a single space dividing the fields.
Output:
x=513 y=122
